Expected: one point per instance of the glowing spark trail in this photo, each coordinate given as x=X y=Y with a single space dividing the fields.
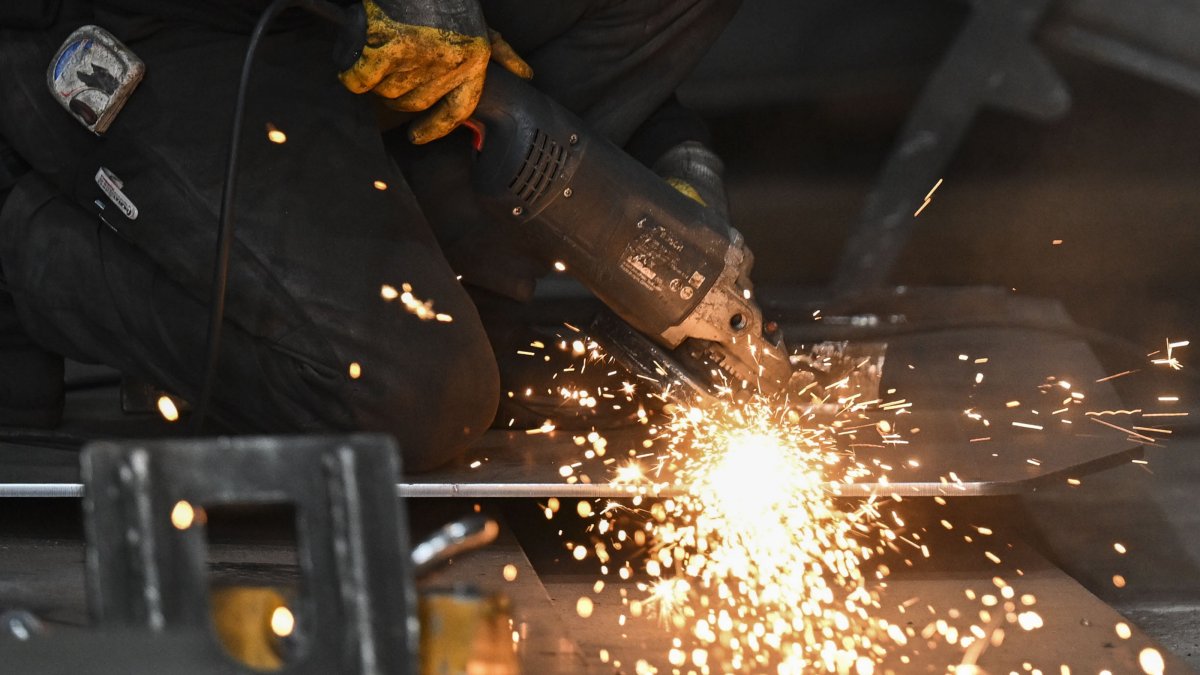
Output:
x=756 y=558
x=1169 y=360
x=422 y=309
x=929 y=198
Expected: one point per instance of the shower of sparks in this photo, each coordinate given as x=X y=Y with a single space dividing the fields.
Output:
x=422 y=309
x=740 y=545
x=755 y=558
x=749 y=556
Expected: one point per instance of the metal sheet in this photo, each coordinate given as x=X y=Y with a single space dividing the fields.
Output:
x=955 y=454
x=923 y=366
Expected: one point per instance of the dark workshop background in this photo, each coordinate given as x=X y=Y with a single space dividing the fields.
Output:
x=807 y=116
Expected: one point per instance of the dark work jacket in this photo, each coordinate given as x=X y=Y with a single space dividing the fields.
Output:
x=28 y=13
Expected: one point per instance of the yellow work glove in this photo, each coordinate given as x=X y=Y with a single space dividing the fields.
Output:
x=429 y=55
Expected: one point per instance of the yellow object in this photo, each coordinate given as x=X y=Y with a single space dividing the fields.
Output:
x=246 y=620
x=464 y=633
x=687 y=190
x=426 y=68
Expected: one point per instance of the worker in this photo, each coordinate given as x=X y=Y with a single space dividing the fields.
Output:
x=330 y=210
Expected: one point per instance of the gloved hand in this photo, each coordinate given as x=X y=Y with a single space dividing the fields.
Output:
x=429 y=54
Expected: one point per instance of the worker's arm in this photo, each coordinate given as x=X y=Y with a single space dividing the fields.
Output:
x=429 y=55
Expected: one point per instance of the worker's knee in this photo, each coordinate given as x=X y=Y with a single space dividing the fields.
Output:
x=436 y=401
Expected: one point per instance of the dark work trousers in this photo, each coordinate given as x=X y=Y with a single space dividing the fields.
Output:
x=316 y=239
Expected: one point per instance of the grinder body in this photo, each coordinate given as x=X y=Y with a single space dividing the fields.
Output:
x=666 y=265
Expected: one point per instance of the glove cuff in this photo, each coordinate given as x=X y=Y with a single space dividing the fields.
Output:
x=459 y=16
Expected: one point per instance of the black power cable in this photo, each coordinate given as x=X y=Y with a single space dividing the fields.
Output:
x=220 y=276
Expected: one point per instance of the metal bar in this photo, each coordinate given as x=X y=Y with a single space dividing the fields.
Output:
x=484 y=489
x=1128 y=57
x=595 y=490
x=54 y=490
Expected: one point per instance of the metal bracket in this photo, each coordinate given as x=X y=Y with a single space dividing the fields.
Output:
x=146 y=571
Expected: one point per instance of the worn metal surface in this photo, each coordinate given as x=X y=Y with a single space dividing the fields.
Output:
x=1079 y=630
x=92 y=75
